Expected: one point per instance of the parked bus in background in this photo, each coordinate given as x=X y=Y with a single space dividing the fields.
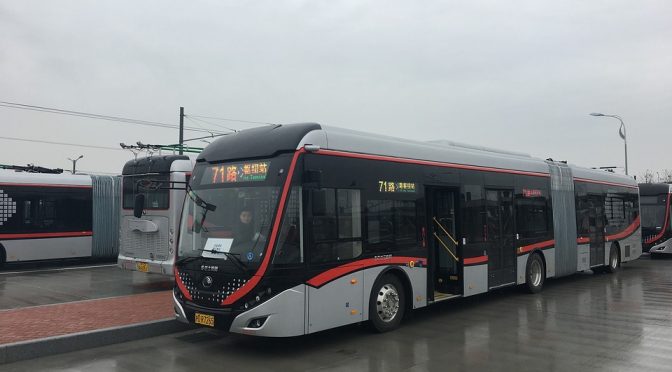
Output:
x=46 y=216
x=158 y=183
x=655 y=207
x=293 y=229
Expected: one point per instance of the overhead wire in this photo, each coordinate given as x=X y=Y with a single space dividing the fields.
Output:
x=194 y=120
x=234 y=120
x=60 y=143
x=98 y=116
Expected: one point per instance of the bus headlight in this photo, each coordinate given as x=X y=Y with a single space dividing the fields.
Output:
x=257 y=322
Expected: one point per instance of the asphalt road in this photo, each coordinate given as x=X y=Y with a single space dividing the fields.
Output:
x=53 y=285
x=603 y=322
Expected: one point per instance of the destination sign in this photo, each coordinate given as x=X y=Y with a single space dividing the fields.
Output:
x=234 y=173
x=396 y=187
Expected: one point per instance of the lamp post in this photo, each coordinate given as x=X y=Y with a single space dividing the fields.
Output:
x=74 y=162
x=621 y=132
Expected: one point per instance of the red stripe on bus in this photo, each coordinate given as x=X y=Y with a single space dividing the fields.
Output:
x=583 y=240
x=180 y=284
x=247 y=287
x=46 y=235
x=350 y=267
x=540 y=245
x=605 y=183
x=667 y=220
x=475 y=260
x=429 y=162
x=625 y=233
x=47 y=185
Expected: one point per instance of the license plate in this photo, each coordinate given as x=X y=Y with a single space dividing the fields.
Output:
x=142 y=266
x=204 y=319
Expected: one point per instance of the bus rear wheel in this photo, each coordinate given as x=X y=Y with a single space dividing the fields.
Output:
x=614 y=263
x=535 y=273
x=387 y=303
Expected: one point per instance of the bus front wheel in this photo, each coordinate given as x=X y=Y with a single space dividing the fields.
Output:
x=535 y=273
x=614 y=259
x=387 y=303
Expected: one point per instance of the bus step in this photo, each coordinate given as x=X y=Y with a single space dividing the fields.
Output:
x=440 y=296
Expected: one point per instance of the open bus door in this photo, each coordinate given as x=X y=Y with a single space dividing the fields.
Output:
x=444 y=281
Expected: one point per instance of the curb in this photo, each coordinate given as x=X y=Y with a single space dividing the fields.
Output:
x=23 y=350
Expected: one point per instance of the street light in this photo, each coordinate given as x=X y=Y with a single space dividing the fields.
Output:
x=74 y=162
x=621 y=132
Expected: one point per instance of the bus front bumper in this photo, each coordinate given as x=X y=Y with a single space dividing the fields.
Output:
x=146 y=266
x=280 y=316
x=664 y=247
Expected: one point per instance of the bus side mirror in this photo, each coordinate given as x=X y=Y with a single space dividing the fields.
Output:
x=139 y=205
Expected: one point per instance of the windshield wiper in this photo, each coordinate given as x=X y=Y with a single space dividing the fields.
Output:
x=233 y=256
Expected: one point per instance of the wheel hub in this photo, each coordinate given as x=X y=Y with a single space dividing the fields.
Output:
x=535 y=273
x=387 y=303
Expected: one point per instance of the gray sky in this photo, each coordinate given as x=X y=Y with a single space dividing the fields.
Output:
x=518 y=75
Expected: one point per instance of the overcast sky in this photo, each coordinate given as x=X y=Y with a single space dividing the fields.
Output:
x=517 y=75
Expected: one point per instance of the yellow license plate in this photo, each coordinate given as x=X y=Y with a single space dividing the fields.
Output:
x=204 y=319
x=142 y=266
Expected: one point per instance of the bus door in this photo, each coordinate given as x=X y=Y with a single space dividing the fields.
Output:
x=443 y=242
x=596 y=219
x=500 y=237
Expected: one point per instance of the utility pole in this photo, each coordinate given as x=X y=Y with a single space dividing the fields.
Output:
x=74 y=163
x=181 y=128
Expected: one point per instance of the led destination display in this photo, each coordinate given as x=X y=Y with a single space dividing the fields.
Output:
x=239 y=172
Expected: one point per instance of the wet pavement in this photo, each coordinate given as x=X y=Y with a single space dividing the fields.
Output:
x=35 y=287
x=620 y=322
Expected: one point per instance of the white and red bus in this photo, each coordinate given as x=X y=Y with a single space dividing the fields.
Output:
x=656 y=227
x=293 y=229
x=44 y=216
x=148 y=232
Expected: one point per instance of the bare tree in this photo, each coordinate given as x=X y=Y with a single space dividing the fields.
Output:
x=666 y=176
x=647 y=177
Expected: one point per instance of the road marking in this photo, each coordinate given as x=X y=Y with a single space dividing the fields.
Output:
x=57 y=269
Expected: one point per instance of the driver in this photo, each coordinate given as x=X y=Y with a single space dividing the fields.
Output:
x=244 y=231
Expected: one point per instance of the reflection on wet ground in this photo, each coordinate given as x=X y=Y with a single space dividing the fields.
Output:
x=601 y=322
x=35 y=287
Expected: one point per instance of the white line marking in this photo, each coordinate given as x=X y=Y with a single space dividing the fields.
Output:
x=56 y=269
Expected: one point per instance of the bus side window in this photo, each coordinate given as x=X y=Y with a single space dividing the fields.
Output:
x=336 y=224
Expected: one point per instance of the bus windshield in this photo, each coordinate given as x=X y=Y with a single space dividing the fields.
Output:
x=155 y=187
x=653 y=211
x=229 y=209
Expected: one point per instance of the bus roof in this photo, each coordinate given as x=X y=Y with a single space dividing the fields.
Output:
x=655 y=188
x=9 y=177
x=152 y=164
x=270 y=140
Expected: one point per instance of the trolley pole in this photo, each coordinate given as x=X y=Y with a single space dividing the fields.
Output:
x=74 y=163
x=181 y=129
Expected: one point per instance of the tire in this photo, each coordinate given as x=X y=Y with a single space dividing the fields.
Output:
x=3 y=256
x=535 y=273
x=614 y=260
x=387 y=303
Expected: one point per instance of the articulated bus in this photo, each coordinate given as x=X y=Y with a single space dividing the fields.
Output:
x=44 y=216
x=148 y=231
x=293 y=229
x=655 y=206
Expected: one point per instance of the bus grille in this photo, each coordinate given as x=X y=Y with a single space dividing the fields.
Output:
x=143 y=245
x=220 y=290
